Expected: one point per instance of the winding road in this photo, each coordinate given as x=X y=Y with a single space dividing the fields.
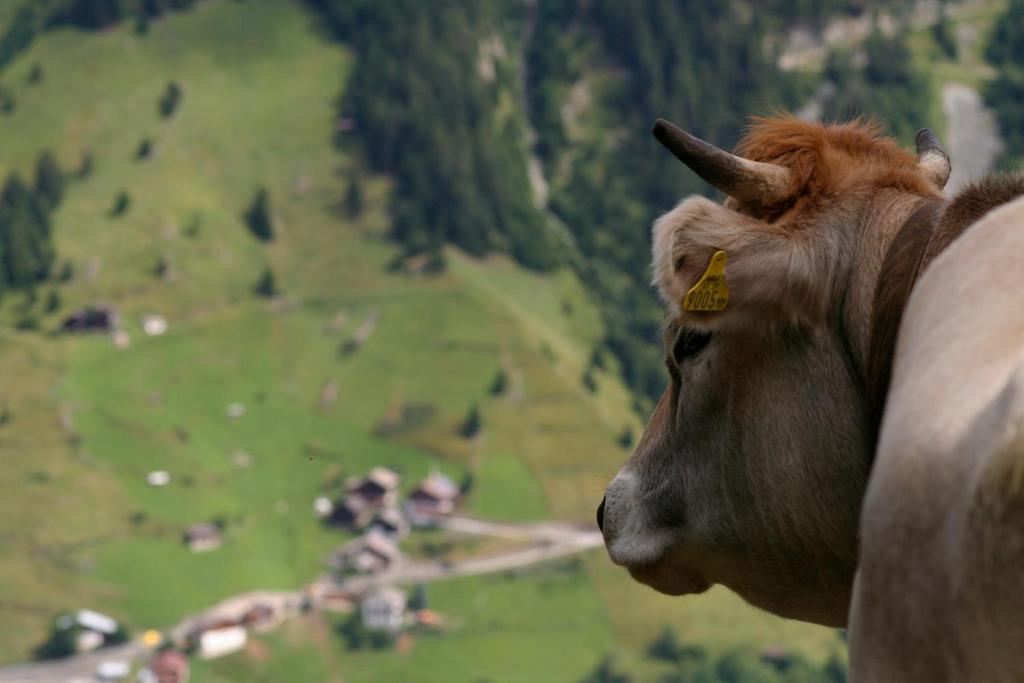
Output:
x=547 y=541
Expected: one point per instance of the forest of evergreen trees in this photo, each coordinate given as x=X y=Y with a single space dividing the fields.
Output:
x=26 y=247
x=424 y=115
x=34 y=16
x=1005 y=93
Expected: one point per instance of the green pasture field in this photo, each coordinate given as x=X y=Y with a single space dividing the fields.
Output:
x=78 y=524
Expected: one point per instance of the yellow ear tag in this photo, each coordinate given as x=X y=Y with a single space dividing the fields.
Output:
x=710 y=293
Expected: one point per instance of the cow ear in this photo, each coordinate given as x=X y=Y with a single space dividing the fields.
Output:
x=714 y=266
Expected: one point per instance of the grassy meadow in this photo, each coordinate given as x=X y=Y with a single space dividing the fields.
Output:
x=81 y=528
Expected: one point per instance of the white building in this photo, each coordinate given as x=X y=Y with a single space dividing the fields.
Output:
x=218 y=642
x=113 y=670
x=94 y=621
x=323 y=507
x=383 y=610
x=154 y=325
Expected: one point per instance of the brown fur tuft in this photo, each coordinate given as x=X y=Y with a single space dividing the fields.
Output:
x=830 y=160
x=980 y=197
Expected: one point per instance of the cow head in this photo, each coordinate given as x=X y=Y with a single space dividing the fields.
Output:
x=751 y=470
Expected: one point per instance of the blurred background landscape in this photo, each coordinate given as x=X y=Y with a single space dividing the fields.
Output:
x=324 y=323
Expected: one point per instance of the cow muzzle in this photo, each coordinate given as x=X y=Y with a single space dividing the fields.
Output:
x=653 y=556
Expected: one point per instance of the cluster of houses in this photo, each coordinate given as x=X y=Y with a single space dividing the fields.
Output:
x=370 y=505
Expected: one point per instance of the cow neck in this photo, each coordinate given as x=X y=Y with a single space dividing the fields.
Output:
x=916 y=244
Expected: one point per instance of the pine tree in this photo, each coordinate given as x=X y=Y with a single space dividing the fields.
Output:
x=169 y=100
x=266 y=286
x=49 y=180
x=7 y=102
x=418 y=599
x=25 y=235
x=258 y=217
x=500 y=383
x=152 y=8
x=473 y=423
x=91 y=14
x=85 y=169
x=52 y=301
x=122 y=202
x=666 y=646
x=19 y=34
x=354 y=198
x=945 y=37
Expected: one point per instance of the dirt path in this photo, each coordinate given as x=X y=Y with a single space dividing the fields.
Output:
x=973 y=139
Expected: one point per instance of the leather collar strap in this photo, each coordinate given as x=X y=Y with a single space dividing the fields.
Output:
x=915 y=245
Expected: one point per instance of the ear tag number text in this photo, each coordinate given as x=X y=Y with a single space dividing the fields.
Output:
x=710 y=293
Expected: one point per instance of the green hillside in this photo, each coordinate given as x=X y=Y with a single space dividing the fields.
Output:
x=79 y=526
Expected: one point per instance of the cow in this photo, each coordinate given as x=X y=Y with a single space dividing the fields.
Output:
x=842 y=436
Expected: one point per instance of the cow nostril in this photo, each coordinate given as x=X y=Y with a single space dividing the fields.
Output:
x=600 y=515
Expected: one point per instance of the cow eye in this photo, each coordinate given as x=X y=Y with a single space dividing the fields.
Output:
x=689 y=344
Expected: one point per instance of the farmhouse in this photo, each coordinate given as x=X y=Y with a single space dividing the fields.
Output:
x=95 y=621
x=352 y=512
x=92 y=319
x=391 y=523
x=169 y=666
x=435 y=496
x=378 y=488
x=203 y=537
x=217 y=642
x=383 y=610
x=371 y=553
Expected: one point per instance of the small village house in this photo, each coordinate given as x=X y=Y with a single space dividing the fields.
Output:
x=428 y=620
x=169 y=666
x=98 y=318
x=435 y=496
x=390 y=522
x=158 y=478
x=351 y=512
x=87 y=641
x=383 y=610
x=220 y=641
x=371 y=553
x=365 y=495
x=113 y=670
x=96 y=621
x=95 y=629
x=88 y=630
x=203 y=537
x=379 y=488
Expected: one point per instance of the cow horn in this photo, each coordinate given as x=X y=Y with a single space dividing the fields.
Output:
x=931 y=158
x=751 y=182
